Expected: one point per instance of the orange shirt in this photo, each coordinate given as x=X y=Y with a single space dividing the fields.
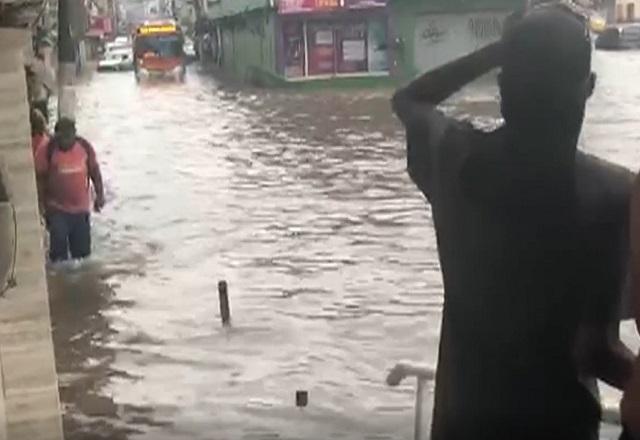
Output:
x=67 y=174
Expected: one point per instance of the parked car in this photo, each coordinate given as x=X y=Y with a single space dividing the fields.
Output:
x=118 y=55
x=623 y=37
x=189 y=49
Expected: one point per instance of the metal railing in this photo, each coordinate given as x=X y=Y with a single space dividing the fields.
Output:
x=402 y=371
x=422 y=375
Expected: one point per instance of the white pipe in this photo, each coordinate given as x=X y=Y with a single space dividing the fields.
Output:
x=418 y=425
x=305 y=40
x=611 y=412
x=422 y=374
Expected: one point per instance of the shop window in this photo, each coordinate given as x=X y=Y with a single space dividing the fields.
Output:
x=377 y=42
x=351 y=41
x=322 y=52
x=338 y=47
x=294 y=58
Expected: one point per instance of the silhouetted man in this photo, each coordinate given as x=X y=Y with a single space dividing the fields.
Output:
x=531 y=237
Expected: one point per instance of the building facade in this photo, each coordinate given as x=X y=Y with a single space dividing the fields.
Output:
x=332 y=38
x=297 y=40
x=291 y=41
x=426 y=34
x=627 y=10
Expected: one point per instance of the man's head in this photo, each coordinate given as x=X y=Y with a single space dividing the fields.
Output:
x=546 y=74
x=65 y=133
x=38 y=122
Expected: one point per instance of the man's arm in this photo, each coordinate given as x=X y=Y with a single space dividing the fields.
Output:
x=415 y=105
x=634 y=233
x=96 y=178
x=630 y=406
x=41 y=163
x=41 y=182
x=432 y=88
x=604 y=355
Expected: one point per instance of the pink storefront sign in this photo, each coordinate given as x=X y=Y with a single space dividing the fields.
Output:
x=99 y=26
x=300 y=6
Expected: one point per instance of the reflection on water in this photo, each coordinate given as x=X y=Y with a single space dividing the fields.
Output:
x=301 y=202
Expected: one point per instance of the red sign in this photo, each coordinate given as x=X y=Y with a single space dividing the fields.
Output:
x=298 y=6
x=364 y=4
x=99 y=26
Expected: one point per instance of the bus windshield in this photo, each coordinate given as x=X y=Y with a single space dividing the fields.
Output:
x=166 y=46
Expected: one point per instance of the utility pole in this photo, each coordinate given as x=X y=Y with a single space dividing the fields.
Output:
x=66 y=60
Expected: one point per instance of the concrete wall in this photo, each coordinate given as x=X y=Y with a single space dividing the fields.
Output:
x=439 y=38
x=429 y=34
x=29 y=402
x=627 y=10
x=248 y=44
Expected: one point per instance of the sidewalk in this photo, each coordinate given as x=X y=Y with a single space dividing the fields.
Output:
x=29 y=403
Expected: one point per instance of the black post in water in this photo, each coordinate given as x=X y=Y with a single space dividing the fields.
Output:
x=302 y=398
x=223 y=294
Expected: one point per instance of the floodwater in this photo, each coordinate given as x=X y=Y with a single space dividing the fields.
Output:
x=301 y=202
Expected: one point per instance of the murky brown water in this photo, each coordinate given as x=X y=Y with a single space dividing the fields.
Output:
x=300 y=202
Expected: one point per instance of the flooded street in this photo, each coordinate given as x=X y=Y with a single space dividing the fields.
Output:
x=301 y=202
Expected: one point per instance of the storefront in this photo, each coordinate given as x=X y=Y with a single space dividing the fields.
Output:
x=100 y=30
x=326 y=38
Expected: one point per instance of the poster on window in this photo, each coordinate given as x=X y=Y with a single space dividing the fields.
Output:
x=352 y=45
x=377 y=46
x=324 y=37
x=293 y=49
x=354 y=50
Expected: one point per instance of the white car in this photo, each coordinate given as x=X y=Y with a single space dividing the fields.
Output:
x=189 y=49
x=117 y=56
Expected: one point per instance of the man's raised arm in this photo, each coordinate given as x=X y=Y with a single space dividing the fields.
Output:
x=415 y=105
x=432 y=88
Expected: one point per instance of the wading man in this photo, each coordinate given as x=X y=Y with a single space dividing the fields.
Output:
x=531 y=238
x=65 y=167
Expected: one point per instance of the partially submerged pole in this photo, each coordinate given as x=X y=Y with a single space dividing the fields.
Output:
x=223 y=294
x=418 y=428
x=302 y=398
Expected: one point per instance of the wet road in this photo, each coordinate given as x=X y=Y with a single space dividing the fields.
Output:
x=300 y=202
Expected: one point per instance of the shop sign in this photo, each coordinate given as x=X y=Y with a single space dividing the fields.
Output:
x=99 y=26
x=298 y=6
